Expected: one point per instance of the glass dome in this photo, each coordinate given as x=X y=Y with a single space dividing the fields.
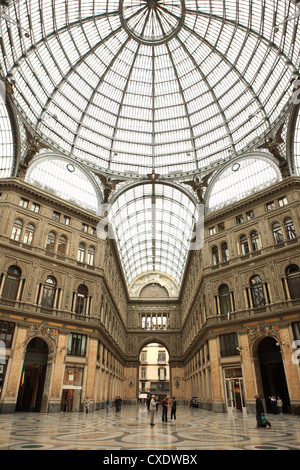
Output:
x=135 y=85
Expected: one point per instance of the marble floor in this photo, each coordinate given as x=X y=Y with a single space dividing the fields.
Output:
x=193 y=430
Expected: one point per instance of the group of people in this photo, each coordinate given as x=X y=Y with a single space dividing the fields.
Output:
x=277 y=405
x=165 y=405
x=117 y=403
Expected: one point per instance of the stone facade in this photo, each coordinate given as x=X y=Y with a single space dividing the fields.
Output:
x=77 y=304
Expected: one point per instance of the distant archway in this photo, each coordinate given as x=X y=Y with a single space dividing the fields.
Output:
x=32 y=382
x=154 y=371
x=272 y=372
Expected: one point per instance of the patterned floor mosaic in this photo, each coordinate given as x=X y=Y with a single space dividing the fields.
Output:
x=194 y=429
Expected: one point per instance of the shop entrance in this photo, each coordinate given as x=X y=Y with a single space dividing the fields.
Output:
x=235 y=397
x=272 y=373
x=32 y=383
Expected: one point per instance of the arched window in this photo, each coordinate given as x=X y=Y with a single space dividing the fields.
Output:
x=277 y=233
x=224 y=252
x=81 y=300
x=255 y=243
x=11 y=284
x=257 y=292
x=48 y=292
x=51 y=242
x=215 y=255
x=62 y=245
x=91 y=256
x=28 y=235
x=224 y=296
x=16 y=230
x=244 y=245
x=81 y=253
x=293 y=280
x=289 y=229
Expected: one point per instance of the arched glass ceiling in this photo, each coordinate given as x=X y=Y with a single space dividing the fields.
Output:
x=61 y=177
x=132 y=85
x=6 y=138
x=297 y=146
x=240 y=179
x=153 y=224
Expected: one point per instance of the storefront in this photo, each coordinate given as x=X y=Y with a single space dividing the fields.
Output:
x=72 y=388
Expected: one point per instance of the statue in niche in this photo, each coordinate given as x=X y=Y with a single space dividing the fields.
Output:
x=272 y=146
x=33 y=145
x=109 y=185
x=198 y=185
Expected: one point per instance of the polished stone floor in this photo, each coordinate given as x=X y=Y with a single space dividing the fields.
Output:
x=194 y=429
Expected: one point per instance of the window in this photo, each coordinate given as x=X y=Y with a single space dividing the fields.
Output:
x=11 y=284
x=162 y=373
x=48 y=292
x=270 y=206
x=249 y=215
x=215 y=255
x=221 y=227
x=277 y=233
x=239 y=219
x=257 y=292
x=17 y=229
x=224 y=252
x=76 y=344
x=91 y=256
x=81 y=300
x=62 y=244
x=56 y=216
x=289 y=229
x=244 y=245
x=229 y=344
x=293 y=280
x=84 y=228
x=35 y=207
x=6 y=333
x=24 y=203
x=81 y=253
x=51 y=242
x=66 y=220
x=212 y=230
x=161 y=356
x=255 y=243
x=282 y=201
x=28 y=235
x=224 y=296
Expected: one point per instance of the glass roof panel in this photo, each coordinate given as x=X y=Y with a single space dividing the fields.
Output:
x=141 y=75
x=152 y=224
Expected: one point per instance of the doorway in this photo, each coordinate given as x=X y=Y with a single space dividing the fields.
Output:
x=272 y=373
x=234 y=387
x=33 y=377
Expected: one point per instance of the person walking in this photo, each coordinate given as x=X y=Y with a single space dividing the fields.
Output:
x=173 y=408
x=152 y=408
x=107 y=404
x=260 y=413
x=164 y=405
x=86 y=405
x=279 y=406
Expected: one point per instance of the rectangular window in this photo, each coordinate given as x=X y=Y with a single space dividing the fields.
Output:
x=84 y=228
x=6 y=333
x=23 y=203
x=239 y=219
x=56 y=216
x=66 y=220
x=76 y=344
x=250 y=215
x=35 y=207
x=229 y=345
x=282 y=201
x=270 y=206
